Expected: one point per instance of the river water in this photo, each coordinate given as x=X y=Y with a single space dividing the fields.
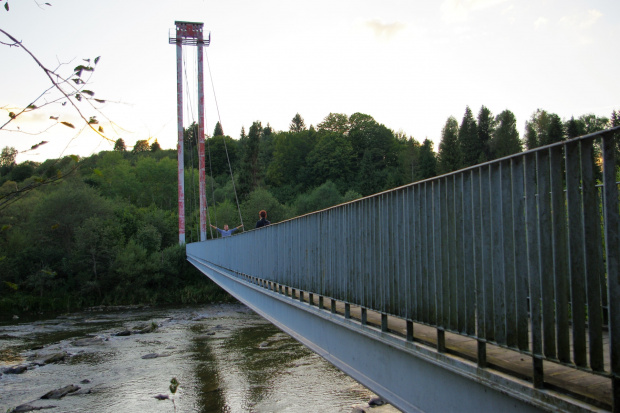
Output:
x=225 y=357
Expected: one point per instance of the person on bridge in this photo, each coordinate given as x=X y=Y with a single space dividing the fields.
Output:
x=226 y=232
x=262 y=222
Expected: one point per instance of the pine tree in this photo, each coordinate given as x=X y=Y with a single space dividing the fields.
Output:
x=218 y=131
x=119 y=145
x=505 y=139
x=249 y=174
x=471 y=147
x=449 y=148
x=427 y=166
x=297 y=124
x=486 y=124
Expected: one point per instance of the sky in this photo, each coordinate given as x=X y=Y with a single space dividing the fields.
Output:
x=409 y=64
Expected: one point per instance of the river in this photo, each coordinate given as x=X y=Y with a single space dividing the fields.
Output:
x=225 y=358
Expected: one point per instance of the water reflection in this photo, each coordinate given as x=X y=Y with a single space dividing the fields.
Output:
x=226 y=358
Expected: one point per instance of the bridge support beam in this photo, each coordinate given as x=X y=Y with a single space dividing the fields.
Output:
x=411 y=376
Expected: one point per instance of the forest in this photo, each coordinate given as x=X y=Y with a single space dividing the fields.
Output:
x=103 y=230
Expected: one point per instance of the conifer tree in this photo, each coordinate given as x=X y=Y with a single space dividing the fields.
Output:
x=218 y=131
x=297 y=124
x=119 y=145
x=471 y=147
x=505 y=139
x=449 y=148
x=427 y=166
x=486 y=124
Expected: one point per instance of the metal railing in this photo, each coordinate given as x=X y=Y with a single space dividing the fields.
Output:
x=521 y=252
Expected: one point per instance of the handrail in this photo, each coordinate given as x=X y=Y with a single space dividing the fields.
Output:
x=521 y=252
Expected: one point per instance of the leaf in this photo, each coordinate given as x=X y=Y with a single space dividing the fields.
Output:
x=48 y=4
x=173 y=385
x=75 y=158
x=32 y=107
x=6 y=227
x=97 y=59
x=77 y=81
x=101 y=129
x=100 y=100
x=11 y=285
x=93 y=120
x=38 y=144
x=54 y=117
x=78 y=97
x=12 y=115
x=68 y=124
x=89 y=92
x=6 y=6
x=97 y=172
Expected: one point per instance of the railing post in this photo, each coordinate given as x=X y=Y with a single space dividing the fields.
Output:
x=612 y=249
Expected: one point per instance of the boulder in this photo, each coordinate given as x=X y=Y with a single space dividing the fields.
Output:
x=28 y=408
x=15 y=370
x=54 y=358
x=376 y=401
x=60 y=393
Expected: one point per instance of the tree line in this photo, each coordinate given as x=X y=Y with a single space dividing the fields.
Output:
x=103 y=230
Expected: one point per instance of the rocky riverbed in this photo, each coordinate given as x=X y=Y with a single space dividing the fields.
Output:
x=224 y=358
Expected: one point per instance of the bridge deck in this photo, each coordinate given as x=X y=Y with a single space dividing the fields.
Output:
x=591 y=388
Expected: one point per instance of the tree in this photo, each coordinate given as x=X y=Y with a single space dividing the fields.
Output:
x=220 y=150
x=155 y=146
x=331 y=159
x=141 y=146
x=335 y=122
x=449 y=148
x=505 y=138
x=7 y=157
x=119 y=145
x=472 y=149
x=486 y=124
x=297 y=124
x=427 y=167
x=543 y=128
x=218 y=131
x=324 y=196
x=249 y=175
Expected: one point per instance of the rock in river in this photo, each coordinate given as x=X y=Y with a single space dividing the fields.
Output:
x=62 y=392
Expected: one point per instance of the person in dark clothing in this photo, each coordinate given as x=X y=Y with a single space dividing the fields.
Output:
x=262 y=222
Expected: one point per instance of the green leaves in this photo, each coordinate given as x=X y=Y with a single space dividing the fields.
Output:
x=6 y=6
x=11 y=285
x=81 y=68
x=174 y=384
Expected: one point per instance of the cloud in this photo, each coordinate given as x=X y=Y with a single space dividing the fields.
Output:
x=541 y=21
x=458 y=10
x=581 y=21
x=384 y=30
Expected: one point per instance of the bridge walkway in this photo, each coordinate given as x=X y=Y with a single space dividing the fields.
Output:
x=583 y=385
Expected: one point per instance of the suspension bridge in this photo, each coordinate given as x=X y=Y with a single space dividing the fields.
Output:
x=493 y=288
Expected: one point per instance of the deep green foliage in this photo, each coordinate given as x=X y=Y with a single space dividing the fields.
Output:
x=104 y=229
x=449 y=148
x=469 y=141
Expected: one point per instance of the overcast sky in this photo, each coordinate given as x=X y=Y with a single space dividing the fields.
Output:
x=409 y=64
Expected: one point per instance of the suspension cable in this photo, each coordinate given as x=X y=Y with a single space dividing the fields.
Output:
x=224 y=138
x=191 y=144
